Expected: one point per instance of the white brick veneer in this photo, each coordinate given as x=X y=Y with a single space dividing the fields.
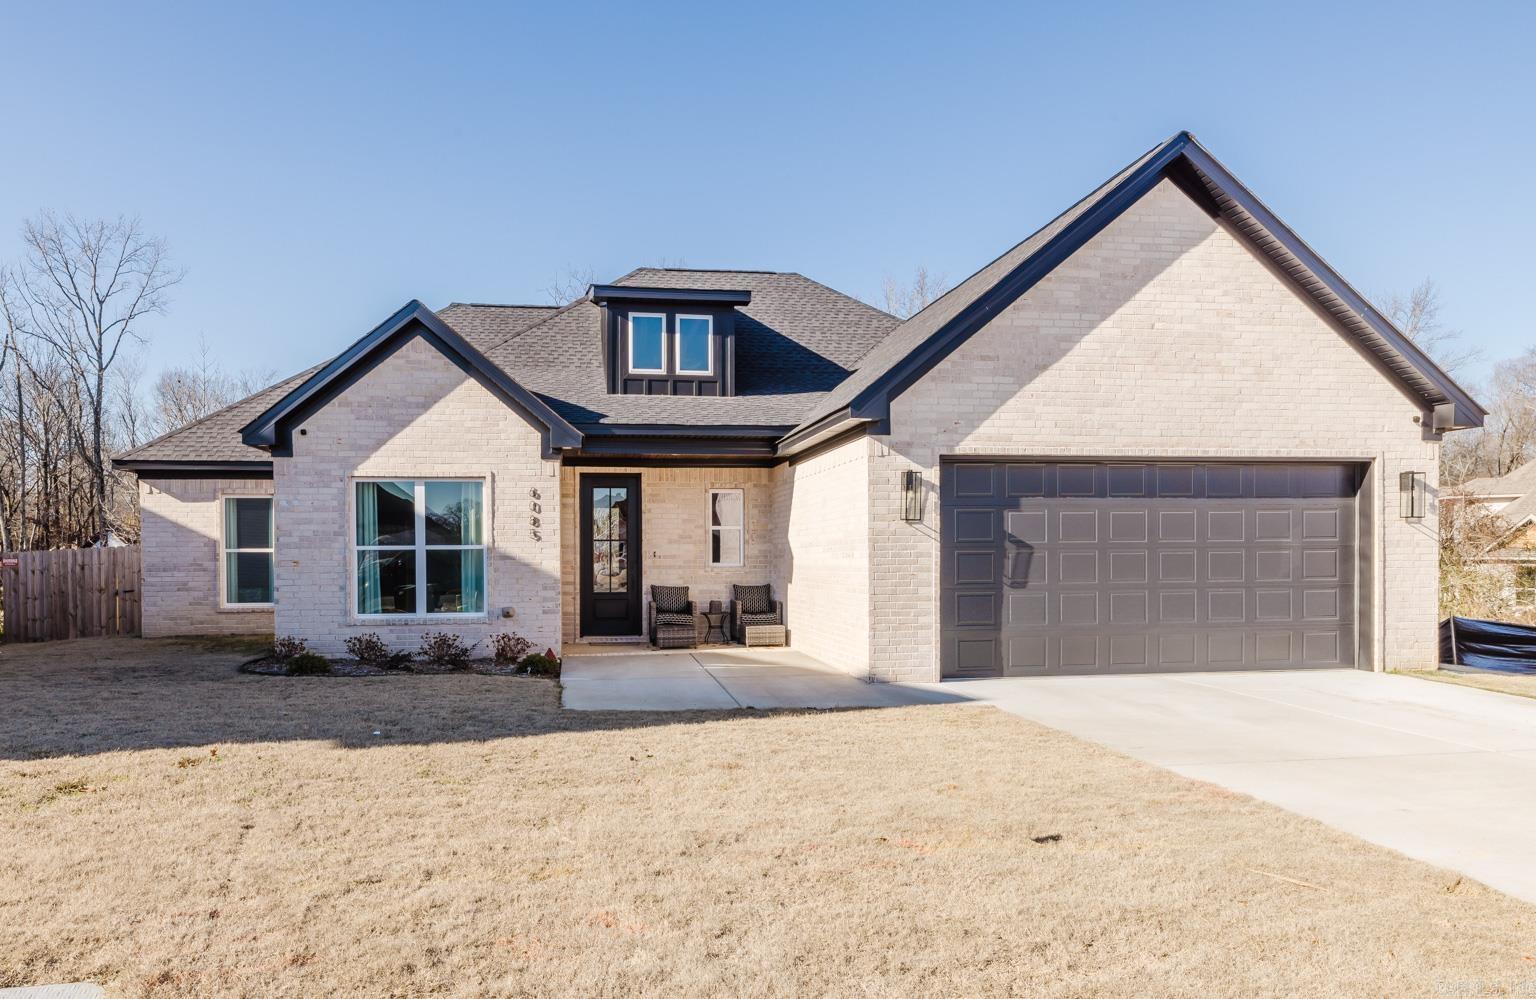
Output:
x=824 y=554
x=674 y=530
x=1164 y=336
x=182 y=525
x=416 y=415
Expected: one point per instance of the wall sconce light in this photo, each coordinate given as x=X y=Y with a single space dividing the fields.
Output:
x=911 y=496
x=1413 y=490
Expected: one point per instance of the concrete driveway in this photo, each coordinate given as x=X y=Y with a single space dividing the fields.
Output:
x=626 y=679
x=1443 y=774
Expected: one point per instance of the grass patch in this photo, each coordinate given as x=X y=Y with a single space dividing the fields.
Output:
x=1503 y=683
x=461 y=835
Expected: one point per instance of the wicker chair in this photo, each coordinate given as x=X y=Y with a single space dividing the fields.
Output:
x=674 y=624
x=756 y=618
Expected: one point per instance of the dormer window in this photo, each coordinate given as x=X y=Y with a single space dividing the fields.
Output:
x=669 y=341
x=648 y=343
x=695 y=339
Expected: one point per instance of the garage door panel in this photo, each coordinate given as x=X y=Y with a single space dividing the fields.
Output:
x=1083 y=567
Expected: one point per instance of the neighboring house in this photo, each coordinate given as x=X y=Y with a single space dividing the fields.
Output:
x=1159 y=434
x=1511 y=560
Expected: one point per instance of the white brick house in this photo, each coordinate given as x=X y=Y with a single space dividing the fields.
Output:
x=1159 y=434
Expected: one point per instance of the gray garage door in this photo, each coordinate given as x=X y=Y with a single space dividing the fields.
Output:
x=1085 y=568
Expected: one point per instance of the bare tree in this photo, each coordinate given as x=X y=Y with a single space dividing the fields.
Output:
x=88 y=286
x=904 y=299
x=190 y=392
x=569 y=285
x=1418 y=315
x=1507 y=438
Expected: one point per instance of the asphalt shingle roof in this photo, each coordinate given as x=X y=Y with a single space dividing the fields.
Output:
x=796 y=341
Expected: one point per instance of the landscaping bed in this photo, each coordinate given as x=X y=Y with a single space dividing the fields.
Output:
x=439 y=652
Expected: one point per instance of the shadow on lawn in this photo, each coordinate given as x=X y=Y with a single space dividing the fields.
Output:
x=92 y=696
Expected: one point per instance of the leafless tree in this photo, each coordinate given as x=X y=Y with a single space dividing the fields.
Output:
x=904 y=299
x=569 y=285
x=191 y=392
x=1417 y=314
x=1507 y=439
x=88 y=286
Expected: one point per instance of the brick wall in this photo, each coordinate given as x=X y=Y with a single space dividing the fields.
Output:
x=182 y=524
x=675 y=534
x=1163 y=336
x=416 y=415
x=824 y=554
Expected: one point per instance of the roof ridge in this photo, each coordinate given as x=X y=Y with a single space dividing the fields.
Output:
x=220 y=411
x=705 y=270
x=497 y=305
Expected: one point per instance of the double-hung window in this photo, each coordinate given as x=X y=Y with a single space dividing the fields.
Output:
x=727 y=529
x=647 y=343
x=247 y=556
x=420 y=547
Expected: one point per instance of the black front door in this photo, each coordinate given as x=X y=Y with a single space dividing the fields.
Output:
x=610 y=554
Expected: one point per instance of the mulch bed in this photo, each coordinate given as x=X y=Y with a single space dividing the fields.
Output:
x=267 y=666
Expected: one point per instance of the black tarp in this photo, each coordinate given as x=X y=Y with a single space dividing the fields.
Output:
x=1509 y=648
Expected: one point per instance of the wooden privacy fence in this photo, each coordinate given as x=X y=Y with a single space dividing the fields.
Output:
x=70 y=593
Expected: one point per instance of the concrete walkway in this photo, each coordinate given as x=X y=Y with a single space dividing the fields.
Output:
x=629 y=679
x=1441 y=773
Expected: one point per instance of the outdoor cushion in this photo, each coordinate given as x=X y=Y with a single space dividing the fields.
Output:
x=673 y=617
x=747 y=620
x=754 y=599
x=670 y=599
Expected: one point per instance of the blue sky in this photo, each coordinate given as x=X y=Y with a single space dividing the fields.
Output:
x=315 y=168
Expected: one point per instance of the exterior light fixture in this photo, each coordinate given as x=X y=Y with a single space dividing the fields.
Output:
x=1413 y=491
x=911 y=496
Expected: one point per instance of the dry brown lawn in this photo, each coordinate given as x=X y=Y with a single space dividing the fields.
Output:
x=170 y=827
x=1505 y=683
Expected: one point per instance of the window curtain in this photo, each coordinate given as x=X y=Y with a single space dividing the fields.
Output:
x=471 y=562
x=370 y=599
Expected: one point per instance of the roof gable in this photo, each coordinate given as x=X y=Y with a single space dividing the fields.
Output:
x=273 y=428
x=930 y=335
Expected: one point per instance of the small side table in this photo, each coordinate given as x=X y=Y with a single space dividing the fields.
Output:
x=715 y=622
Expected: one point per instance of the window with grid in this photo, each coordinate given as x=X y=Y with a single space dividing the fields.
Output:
x=727 y=527
x=420 y=547
x=247 y=559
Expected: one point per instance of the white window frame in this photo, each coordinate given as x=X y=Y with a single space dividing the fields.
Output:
x=419 y=499
x=225 y=551
x=629 y=340
x=677 y=344
x=741 y=532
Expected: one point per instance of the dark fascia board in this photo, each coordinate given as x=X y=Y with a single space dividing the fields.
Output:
x=664 y=446
x=700 y=296
x=1468 y=412
x=273 y=429
x=834 y=424
x=873 y=403
x=708 y=431
x=168 y=469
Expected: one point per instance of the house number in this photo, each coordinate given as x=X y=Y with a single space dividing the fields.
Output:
x=534 y=509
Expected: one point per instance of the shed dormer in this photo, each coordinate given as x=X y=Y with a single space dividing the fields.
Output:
x=669 y=341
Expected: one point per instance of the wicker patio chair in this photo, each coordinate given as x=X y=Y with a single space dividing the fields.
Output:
x=673 y=618
x=756 y=618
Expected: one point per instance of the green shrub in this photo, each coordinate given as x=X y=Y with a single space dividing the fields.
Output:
x=370 y=650
x=544 y=663
x=443 y=649
x=308 y=664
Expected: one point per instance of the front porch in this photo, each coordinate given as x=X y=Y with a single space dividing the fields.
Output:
x=718 y=678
